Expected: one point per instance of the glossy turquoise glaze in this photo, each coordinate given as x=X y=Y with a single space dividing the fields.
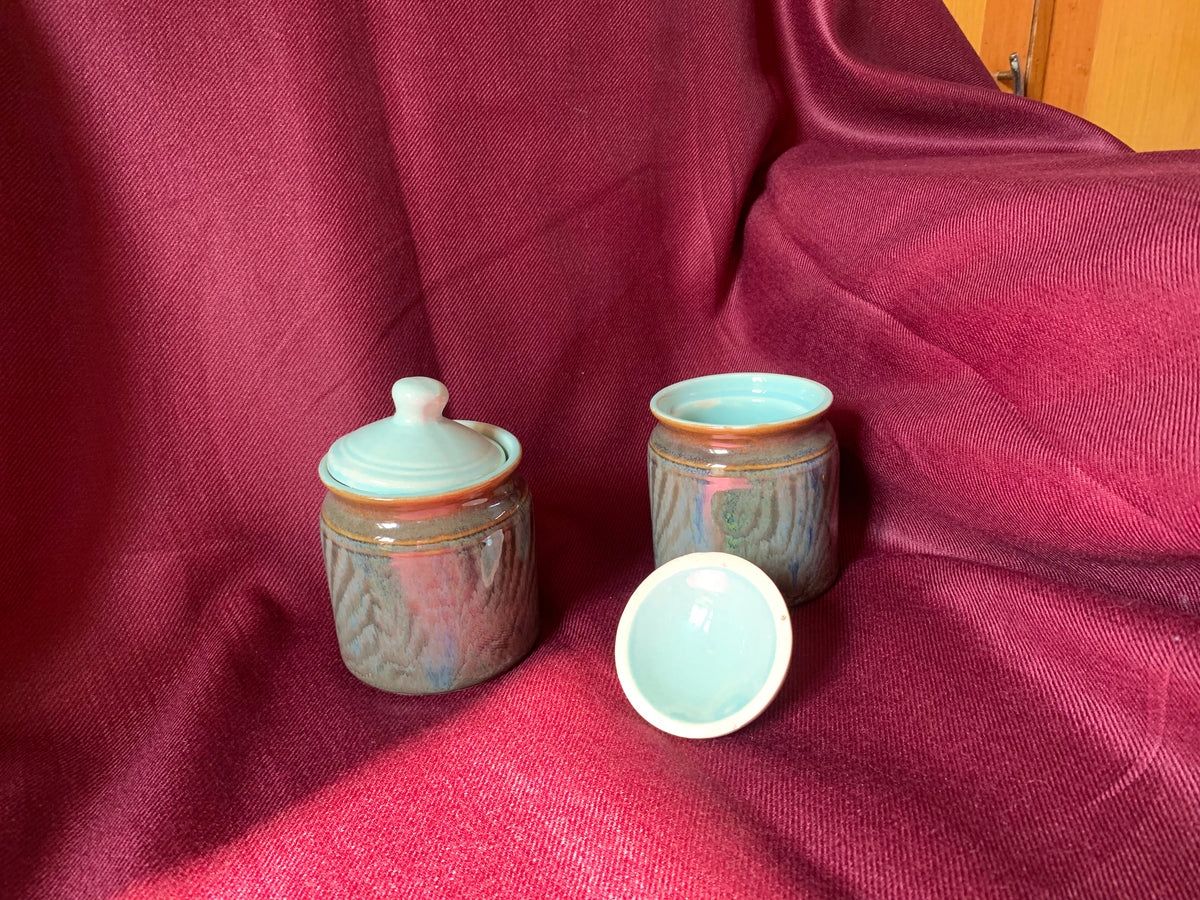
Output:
x=741 y=400
x=703 y=645
x=416 y=452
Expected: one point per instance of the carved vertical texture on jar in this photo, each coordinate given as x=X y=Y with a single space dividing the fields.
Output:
x=434 y=617
x=782 y=516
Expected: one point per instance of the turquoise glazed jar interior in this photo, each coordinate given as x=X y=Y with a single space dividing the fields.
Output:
x=741 y=400
x=703 y=645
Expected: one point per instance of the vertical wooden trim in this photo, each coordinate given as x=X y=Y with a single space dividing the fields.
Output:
x=1072 y=46
x=1039 y=45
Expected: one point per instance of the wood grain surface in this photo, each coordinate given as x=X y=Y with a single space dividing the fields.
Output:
x=1072 y=46
x=1145 y=79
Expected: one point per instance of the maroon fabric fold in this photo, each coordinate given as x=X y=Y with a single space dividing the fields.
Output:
x=226 y=229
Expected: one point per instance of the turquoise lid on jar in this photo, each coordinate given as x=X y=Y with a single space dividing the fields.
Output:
x=418 y=451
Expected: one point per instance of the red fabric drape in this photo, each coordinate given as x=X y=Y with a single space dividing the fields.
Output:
x=225 y=229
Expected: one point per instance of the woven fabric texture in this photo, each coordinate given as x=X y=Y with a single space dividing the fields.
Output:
x=226 y=228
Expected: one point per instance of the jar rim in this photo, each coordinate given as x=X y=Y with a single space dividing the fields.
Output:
x=743 y=403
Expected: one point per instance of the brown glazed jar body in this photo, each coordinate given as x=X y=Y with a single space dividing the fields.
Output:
x=432 y=594
x=769 y=497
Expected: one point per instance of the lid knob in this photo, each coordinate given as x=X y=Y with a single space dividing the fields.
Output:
x=419 y=399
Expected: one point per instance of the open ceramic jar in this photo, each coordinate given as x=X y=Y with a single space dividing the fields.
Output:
x=427 y=534
x=746 y=463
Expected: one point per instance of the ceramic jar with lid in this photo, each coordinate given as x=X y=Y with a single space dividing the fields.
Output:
x=427 y=535
x=747 y=464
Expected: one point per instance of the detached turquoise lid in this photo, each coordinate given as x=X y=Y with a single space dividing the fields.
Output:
x=703 y=645
x=417 y=452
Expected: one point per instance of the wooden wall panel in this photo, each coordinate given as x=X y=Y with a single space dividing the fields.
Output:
x=1145 y=79
x=969 y=15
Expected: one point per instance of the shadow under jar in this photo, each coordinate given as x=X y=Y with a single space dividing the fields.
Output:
x=746 y=463
x=427 y=535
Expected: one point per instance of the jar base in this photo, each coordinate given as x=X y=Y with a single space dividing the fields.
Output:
x=390 y=687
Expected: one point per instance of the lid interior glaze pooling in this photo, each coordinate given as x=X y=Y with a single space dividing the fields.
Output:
x=745 y=401
x=416 y=452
